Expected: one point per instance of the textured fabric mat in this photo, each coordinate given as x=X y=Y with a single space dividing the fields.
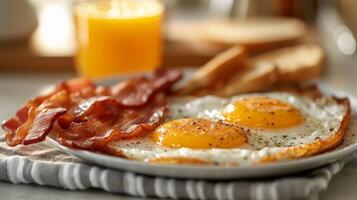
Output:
x=43 y=164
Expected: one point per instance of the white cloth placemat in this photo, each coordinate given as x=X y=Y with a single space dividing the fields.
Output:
x=44 y=164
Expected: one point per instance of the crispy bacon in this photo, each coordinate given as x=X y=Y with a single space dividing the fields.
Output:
x=78 y=114
x=131 y=93
x=33 y=121
x=137 y=91
x=42 y=123
x=95 y=135
x=102 y=106
x=75 y=85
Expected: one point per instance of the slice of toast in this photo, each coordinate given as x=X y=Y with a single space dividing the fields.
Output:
x=295 y=64
x=286 y=65
x=256 y=77
x=213 y=73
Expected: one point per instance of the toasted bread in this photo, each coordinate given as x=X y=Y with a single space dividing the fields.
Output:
x=295 y=64
x=234 y=73
x=286 y=65
x=223 y=65
x=256 y=77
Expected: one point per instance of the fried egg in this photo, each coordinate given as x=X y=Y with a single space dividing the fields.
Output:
x=242 y=130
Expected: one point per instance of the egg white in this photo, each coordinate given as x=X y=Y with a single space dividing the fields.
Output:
x=321 y=120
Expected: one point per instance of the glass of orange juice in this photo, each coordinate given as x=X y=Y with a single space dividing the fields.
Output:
x=118 y=36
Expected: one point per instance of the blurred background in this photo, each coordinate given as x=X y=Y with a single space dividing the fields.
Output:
x=40 y=34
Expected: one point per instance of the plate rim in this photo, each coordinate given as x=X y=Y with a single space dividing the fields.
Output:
x=345 y=150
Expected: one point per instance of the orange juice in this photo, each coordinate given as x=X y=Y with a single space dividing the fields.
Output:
x=118 y=36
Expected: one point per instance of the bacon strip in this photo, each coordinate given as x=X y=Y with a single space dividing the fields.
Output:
x=42 y=124
x=11 y=125
x=137 y=91
x=38 y=124
x=131 y=93
x=80 y=115
x=105 y=106
x=95 y=135
x=75 y=85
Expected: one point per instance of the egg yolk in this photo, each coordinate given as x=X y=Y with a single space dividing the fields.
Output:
x=263 y=112
x=198 y=134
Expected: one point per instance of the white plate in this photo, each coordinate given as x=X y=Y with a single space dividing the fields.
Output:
x=215 y=172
